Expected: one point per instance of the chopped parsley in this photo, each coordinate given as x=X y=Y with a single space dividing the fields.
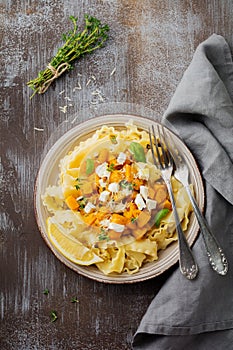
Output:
x=126 y=184
x=133 y=220
x=113 y=139
x=79 y=182
x=103 y=236
x=111 y=167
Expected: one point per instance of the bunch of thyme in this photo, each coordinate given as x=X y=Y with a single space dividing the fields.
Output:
x=76 y=45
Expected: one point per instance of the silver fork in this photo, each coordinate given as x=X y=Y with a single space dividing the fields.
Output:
x=188 y=265
x=217 y=258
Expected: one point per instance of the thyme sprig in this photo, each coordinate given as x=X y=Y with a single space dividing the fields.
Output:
x=76 y=45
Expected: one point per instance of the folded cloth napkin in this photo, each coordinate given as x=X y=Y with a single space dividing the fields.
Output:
x=198 y=314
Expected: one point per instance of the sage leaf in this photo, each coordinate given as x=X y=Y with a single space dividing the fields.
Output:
x=138 y=152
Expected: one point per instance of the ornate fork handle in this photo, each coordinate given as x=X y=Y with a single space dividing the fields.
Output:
x=215 y=254
x=188 y=265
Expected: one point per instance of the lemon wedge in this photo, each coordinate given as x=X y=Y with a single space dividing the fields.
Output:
x=70 y=247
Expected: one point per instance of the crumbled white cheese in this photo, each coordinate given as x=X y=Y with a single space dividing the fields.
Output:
x=143 y=174
x=113 y=187
x=151 y=204
x=102 y=183
x=89 y=207
x=119 y=207
x=101 y=170
x=144 y=192
x=121 y=158
x=140 y=202
x=105 y=223
x=116 y=227
x=104 y=196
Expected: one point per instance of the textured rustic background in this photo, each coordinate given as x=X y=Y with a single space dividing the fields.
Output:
x=151 y=44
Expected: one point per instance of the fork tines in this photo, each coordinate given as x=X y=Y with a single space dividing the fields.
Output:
x=163 y=159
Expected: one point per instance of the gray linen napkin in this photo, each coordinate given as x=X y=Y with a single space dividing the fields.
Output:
x=198 y=314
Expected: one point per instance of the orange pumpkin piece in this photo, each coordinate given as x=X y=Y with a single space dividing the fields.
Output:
x=115 y=176
x=119 y=219
x=132 y=225
x=132 y=211
x=139 y=233
x=137 y=183
x=143 y=218
x=151 y=192
x=72 y=203
x=160 y=195
x=90 y=218
x=165 y=205
x=114 y=235
x=128 y=174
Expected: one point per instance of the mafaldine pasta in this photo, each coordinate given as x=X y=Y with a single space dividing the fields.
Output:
x=112 y=203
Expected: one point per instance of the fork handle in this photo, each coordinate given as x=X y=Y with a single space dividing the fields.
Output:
x=217 y=258
x=188 y=265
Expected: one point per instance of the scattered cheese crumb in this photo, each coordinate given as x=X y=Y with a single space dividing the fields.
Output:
x=113 y=71
x=38 y=129
x=63 y=109
x=79 y=87
x=67 y=98
x=88 y=82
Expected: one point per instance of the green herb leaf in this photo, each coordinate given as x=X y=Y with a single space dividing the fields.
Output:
x=138 y=152
x=103 y=236
x=46 y=291
x=76 y=45
x=160 y=215
x=82 y=202
x=53 y=316
x=90 y=166
x=77 y=186
x=74 y=300
x=126 y=184
x=113 y=139
x=133 y=220
x=111 y=167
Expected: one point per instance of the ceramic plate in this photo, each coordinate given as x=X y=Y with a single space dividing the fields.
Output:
x=48 y=175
